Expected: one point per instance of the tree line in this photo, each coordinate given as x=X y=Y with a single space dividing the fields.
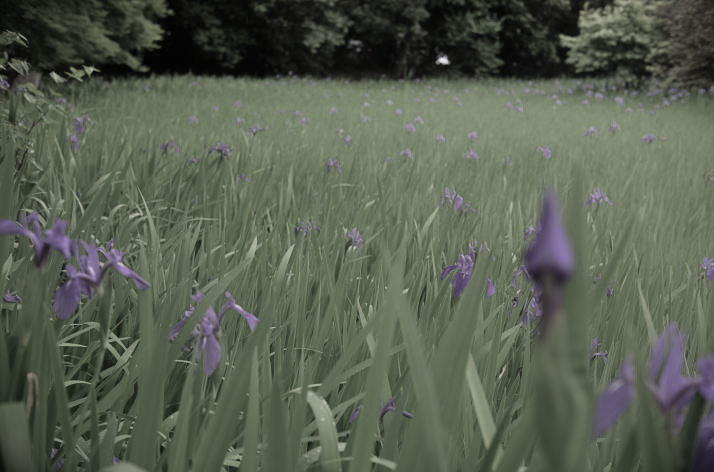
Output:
x=669 y=40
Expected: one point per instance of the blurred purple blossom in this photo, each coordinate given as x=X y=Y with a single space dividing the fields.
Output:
x=490 y=288
x=237 y=104
x=440 y=138
x=407 y=152
x=4 y=84
x=550 y=253
x=610 y=291
x=355 y=237
x=591 y=131
x=307 y=227
x=170 y=144
x=193 y=119
x=334 y=163
x=398 y=111
x=648 y=138
x=419 y=120
x=29 y=226
x=473 y=136
x=471 y=154
x=410 y=127
x=614 y=127
x=547 y=153
x=596 y=197
x=708 y=266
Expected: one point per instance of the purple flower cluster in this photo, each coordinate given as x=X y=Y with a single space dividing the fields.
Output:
x=83 y=279
x=407 y=152
x=207 y=330
x=596 y=197
x=648 y=138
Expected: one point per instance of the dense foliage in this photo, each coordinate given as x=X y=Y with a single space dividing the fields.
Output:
x=63 y=33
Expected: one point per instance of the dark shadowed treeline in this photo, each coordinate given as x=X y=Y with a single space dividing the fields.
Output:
x=630 y=39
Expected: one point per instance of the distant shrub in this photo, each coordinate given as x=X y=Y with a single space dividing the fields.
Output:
x=615 y=40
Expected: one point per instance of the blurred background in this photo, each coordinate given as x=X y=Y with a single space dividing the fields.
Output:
x=668 y=40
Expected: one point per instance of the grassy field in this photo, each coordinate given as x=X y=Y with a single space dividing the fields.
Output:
x=363 y=358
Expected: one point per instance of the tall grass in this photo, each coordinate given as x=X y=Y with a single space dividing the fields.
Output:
x=341 y=327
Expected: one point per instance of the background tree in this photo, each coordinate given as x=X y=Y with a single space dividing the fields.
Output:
x=467 y=31
x=684 y=51
x=63 y=33
x=614 y=41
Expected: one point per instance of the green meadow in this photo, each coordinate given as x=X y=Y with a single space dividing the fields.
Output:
x=474 y=383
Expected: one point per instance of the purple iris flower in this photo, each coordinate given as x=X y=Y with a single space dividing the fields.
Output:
x=521 y=270
x=703 y=460
x=648 y=138
x=610 y=291
x=408 y=153
x=4 y=84
x=620 y=101
x=307 y=227
x=88 y=277
x=463 y=267
x=389 y=406
x=355 y=237
x=708 y=266
x=670 y=388
x=596 y=197
x=223 y=149
x=419 y=120
x=615 y=126
x=551 y=251
x=348 y=140
x=334 y=163
x=11 y=298
x=410 y=127
x=592 y=131
x=491 y=289
x=170 y=144
x=398 y=111
x=440 y=138
x=547 y=153
x=54 y=238
x=471 y=154
x=206 y=331
x=473 y=136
